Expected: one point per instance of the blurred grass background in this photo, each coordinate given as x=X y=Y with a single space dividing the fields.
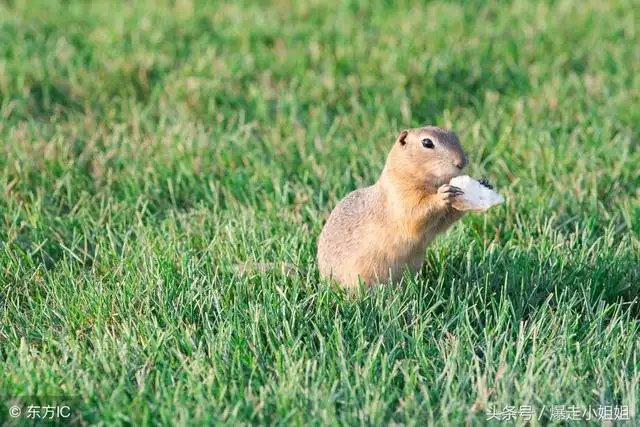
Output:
x=147 y=146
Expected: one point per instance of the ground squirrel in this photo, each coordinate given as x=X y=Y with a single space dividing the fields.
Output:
x=376 y=232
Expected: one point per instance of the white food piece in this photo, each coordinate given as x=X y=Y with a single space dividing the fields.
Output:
x=476 y=196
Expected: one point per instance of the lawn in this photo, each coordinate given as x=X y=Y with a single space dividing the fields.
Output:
x=148 y=147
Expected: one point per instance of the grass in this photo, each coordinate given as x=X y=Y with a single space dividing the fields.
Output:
x=147 y=147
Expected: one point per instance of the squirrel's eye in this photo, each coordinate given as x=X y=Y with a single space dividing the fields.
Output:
x=427 y=143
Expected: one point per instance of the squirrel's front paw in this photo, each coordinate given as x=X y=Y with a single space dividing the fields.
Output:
x=448 y=193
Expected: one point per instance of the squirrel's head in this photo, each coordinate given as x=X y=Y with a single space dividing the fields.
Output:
x=429 y=156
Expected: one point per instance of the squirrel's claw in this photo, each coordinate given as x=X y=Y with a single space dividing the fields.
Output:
x=485 y=182
x=448 y=192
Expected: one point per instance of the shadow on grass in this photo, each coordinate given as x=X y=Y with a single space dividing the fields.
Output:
x=529 y=277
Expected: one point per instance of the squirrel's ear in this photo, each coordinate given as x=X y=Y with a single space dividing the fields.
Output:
x=402 y=138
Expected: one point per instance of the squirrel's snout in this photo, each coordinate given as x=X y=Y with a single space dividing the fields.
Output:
x=460 y=164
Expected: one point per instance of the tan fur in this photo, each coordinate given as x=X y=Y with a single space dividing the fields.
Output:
x=375 y=233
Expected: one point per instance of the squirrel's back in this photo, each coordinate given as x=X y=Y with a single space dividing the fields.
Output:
x=346 y=229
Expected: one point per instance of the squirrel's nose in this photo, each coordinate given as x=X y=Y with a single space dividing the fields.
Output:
x=460 y=164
